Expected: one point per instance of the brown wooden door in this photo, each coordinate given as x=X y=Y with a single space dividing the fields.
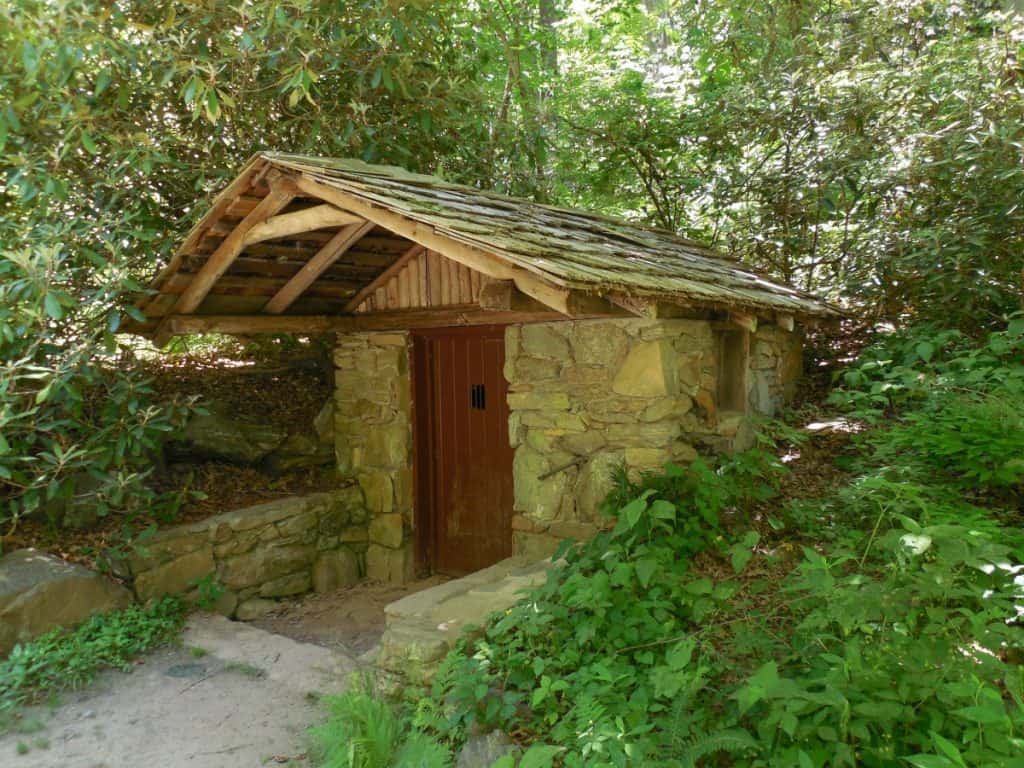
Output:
x=463 y=457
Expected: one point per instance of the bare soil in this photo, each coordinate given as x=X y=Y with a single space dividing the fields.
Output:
x=350 y=619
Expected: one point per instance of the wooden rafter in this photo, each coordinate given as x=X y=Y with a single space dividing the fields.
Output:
x=281 y=193
x=558 y=298
x=306 y=220
x=410 y=253
x=344 y=239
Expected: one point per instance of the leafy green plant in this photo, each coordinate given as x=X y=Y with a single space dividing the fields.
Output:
x=364 y=731
x=62 y=660
x=882 y=631
x=79 y=430
x=907 y=369
x=598 y=654
x=208 y=591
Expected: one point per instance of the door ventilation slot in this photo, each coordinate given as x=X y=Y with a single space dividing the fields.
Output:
x=478 y=397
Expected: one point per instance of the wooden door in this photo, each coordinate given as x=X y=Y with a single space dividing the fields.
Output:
x=463 y=457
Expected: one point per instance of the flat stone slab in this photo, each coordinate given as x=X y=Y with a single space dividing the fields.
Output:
x=39 y=592
x=423 y=627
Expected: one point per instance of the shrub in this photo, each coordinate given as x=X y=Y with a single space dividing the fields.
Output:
x=890 y=639
x=77 y=424
x=593 y=660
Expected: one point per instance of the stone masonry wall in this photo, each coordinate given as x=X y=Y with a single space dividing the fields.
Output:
x=373 y=443
x=271 y=550
x=589 y=396
x=776 y=364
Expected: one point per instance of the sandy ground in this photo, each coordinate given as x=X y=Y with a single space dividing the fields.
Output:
x=351 y=620
x=233 y=696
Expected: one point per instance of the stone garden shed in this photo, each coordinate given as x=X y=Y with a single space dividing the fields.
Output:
x=496 y=359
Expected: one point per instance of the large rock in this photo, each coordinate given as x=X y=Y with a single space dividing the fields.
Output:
x=300 y=451
x=266 y=564
x=544 y=341
x=220 y=435
x=649 y=370
x=391 y=566
x=540 y=498
x=387 y=530
x=378 y=491
x=599 y=343
x=39 y=592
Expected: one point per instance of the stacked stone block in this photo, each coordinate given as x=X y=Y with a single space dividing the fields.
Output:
x=373 y=431
x=271 y=550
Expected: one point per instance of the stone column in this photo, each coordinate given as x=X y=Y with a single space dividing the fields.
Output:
x=373 y=443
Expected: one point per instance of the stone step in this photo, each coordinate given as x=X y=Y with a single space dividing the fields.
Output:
x=422 y=627
x=521 y=570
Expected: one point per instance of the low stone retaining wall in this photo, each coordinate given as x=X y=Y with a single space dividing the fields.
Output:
x=271 y=550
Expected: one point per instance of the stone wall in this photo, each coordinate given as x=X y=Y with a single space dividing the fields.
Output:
x=589 y=396
x=776 y=364
x=373 y=443
x=271 y=550
x=585 y=397
x=593 y=395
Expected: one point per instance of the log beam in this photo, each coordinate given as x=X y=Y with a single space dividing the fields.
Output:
x=246 y=325
x=306 y=220
x=279 y=196
x=346 y=237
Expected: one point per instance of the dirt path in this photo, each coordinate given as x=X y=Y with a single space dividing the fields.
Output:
x=351 y=620
x=233 y=696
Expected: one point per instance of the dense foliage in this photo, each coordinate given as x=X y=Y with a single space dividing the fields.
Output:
x=878 y=626
x=866 y=150
x=59 y=660
x=78 y=429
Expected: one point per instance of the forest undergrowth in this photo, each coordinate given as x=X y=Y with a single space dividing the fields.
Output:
x=730 y=619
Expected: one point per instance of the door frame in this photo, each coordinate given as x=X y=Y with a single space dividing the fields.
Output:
x=424 y=430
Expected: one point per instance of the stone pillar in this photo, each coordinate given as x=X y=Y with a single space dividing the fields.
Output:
x=776 y=364
x=373 y=443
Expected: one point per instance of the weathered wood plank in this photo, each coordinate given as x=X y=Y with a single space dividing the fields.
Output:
x=252 y=285
x=377 y=321
x=384 y=276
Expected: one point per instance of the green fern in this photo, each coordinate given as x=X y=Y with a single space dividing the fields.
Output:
x=731 y=741
x=363 y=731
